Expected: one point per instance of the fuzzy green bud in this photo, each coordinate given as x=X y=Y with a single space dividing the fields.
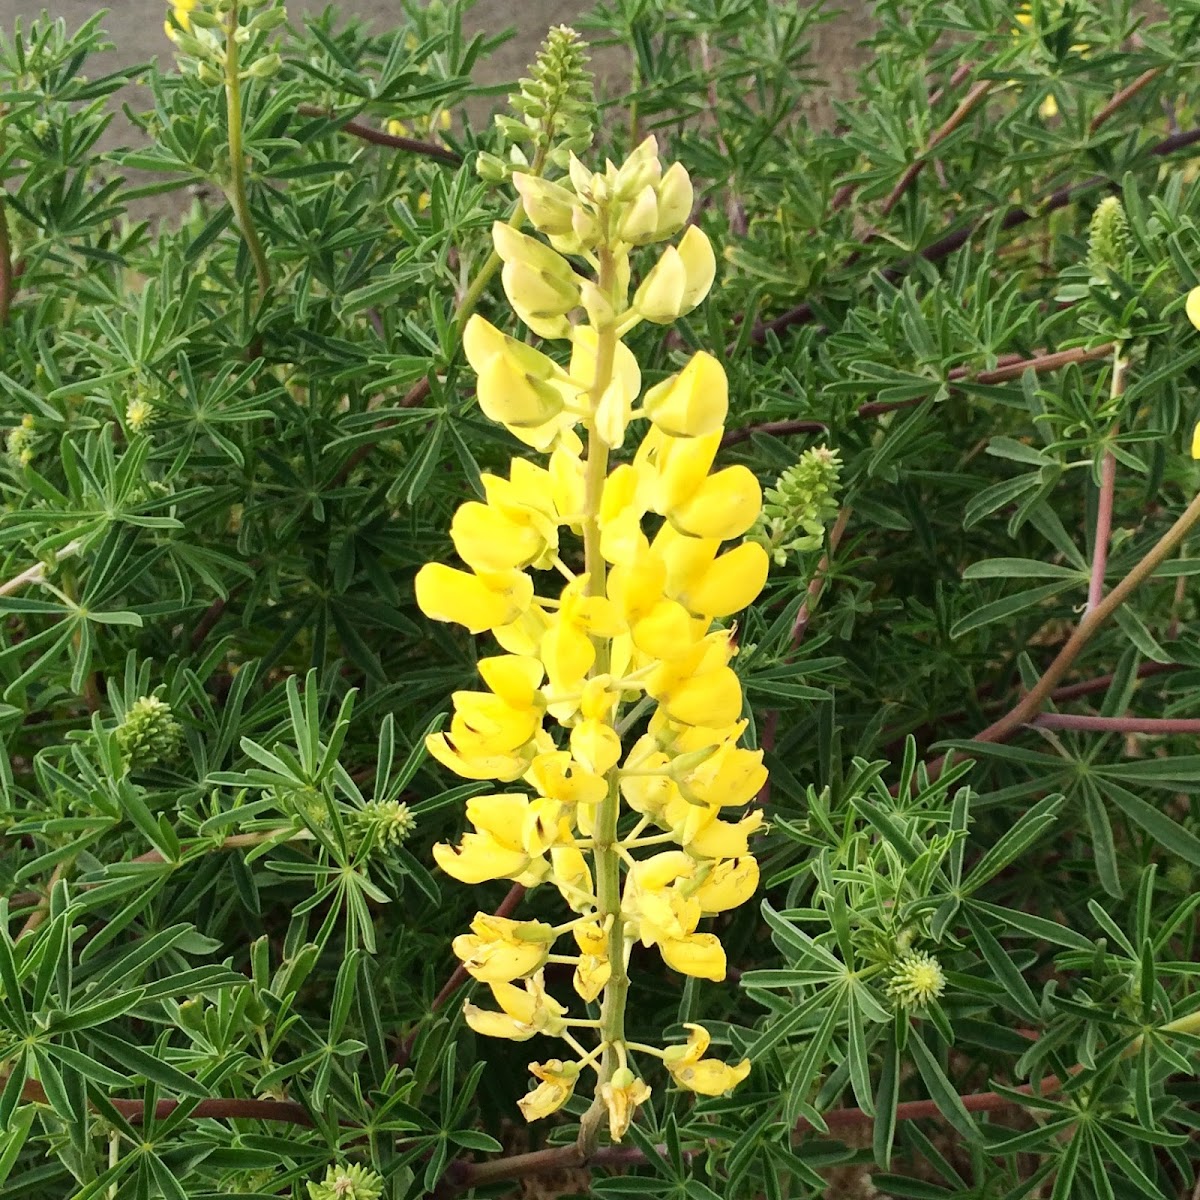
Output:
x=1108 y=238
x=916 y=978
x=347 y=1183
x=390 y=821
x=796 y=510
x=149 y=733
x=20 y=443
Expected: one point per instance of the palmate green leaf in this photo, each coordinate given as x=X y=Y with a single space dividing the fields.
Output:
x=941 y=1091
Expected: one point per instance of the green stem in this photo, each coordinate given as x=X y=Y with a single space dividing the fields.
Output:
x=236 y=191
x=483 y=277
x=605 y=857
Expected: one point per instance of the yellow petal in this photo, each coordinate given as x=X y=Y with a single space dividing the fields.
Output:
x=1193 y=306
x=700 y=264
x=515 y=678
x=591 y=976
x=733 y=581
x=700 y=955
x=498 y=961
x=596 y=745
x=714 y=698
x=554 y=1090
x=661 y=296
x=693 y=403
x=723 y=839
x=728 y=884
x=725 y=505
x=466 y=761
x=1196 y=441
x=498 y=1025
x=709 y=1077
x=479 y=858
x=674 y=200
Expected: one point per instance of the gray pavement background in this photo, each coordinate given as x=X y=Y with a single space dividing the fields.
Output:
x=135 y=29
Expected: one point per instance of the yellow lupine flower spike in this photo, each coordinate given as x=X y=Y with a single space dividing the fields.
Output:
x=653 y=567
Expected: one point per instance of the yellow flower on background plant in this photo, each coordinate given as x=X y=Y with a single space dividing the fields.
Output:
x=617 y=684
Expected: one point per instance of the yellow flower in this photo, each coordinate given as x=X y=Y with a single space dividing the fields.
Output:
x=1196 y=441
x=525 y=1012
x=500 y=950
x=478 y=601
x=707 y=1076
x=622 y=1096
x=633 y=623
x=496 y=850
x=557 y=1083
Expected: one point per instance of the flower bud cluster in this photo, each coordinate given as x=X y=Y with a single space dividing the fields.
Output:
x=351 y=1182
x=1108 y=239
x=149 y=733
x=21 y=443
x=199 y=29
x=556 y=110
x=612 y=709
x=797 y=508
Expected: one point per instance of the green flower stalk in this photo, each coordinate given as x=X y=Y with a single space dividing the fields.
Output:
x=557 y=111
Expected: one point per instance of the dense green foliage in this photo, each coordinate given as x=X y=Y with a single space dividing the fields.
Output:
x=216 y=818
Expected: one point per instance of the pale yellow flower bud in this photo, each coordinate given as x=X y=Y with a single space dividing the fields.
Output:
x=693 y=403
x=549 y=206
x=678 y=281
x=674 y=201
x=639 y=223
x=640 y=170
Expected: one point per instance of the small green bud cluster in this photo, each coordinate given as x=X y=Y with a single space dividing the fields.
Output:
x=916 y=978
x=796 y=509
x=1108 y=239
x=390 y=821
x=347 y=1183
x=149 y=733
x=20 y=445
x=556 y=106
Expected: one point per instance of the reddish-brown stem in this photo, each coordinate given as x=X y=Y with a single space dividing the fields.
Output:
x=1104 y=511
x=377 y=137
x=1035 y=699
x=1123 y=97
x=1089 y=687
x=845 y=193
x=816 y=585
x=1009 y=367
x=967 y=105
x=461 y=1175
x=1155 y=726
x=411 y=399
x=212 y=614
x=217 y=1109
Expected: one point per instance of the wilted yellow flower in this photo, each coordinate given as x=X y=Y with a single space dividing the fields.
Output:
x=707 y=1076
x=623 y=1095
x=554 y=1090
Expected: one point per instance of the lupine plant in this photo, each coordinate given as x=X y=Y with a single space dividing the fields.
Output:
x=741 y=523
